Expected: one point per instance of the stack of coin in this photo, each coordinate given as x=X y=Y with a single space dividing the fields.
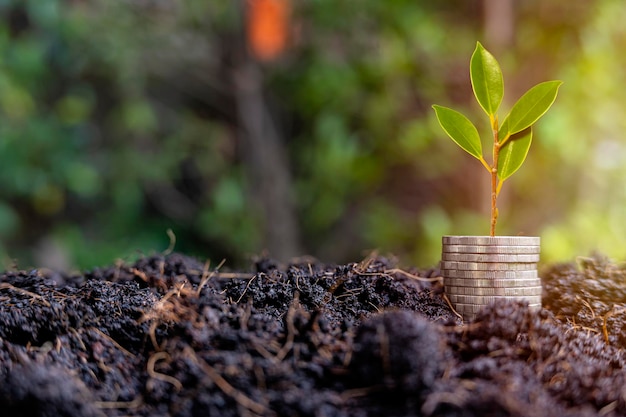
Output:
x=478 y=270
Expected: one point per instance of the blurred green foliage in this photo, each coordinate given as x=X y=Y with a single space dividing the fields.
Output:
x=117 y=122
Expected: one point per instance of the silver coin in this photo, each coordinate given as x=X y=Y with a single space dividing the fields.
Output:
x=475 y=308
x=492 y=283
x=471 y=316
x=486 y=299
x=491 y=249
x=516 y=291
x=489 y=257
x=468 y=308
x=492 y=240
x=456 y=273
x=489 y=266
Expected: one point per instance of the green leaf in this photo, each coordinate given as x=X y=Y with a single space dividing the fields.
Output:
x=530 y=107
x=460 y=129
x=487 y=81
x=513 y=154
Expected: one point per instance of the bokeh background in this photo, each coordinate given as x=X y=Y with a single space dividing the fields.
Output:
x=297 y=127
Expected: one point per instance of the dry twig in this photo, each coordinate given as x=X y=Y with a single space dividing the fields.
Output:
x=109 y=405
x=412 y=276
x=445 y=297
x=157 y=375
x=241 y=399
x=291 y=329
x=7 y=286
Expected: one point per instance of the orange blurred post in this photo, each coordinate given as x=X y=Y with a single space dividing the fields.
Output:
x=267 y=27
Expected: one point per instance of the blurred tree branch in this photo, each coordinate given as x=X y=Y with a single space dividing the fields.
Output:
x=265 y=159
x=499 y=24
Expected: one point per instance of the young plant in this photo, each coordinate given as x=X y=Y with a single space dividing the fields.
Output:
x=512 y=137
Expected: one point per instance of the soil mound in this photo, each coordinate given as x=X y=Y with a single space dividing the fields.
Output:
x=172 y=336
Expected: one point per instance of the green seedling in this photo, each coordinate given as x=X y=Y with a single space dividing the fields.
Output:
x=512 y=137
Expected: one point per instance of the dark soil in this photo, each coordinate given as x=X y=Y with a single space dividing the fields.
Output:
x=172 y=336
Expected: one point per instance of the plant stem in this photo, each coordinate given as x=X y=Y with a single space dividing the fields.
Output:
x=494 y=177
x=494 y=198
